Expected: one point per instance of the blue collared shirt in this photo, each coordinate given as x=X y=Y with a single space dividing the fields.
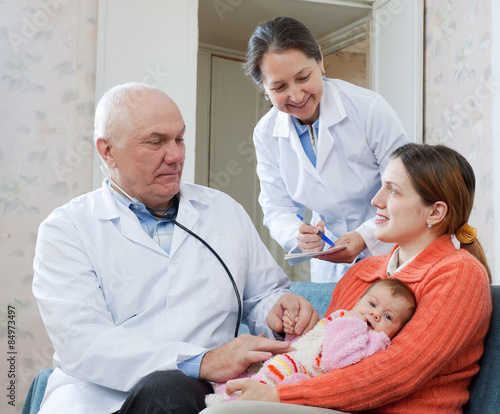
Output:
x=305 y=138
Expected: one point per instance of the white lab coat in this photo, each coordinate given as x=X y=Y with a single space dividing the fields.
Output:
x=117 y=307
x=358 y=131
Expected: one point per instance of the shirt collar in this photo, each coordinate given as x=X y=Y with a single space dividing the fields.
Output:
x=137 y=207
x=393 y=265
x=301 y=128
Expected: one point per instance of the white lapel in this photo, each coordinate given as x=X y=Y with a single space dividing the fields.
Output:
x=189 y=204
x=284 y=129
x=332 y=111
x=106 y=207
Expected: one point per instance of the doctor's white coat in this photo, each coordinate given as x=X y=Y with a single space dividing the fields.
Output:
x=358 y=131
x=117 y=307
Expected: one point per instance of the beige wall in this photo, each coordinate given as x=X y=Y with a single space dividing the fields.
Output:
x=350 y=67
x=459 y=97
x=47 y=83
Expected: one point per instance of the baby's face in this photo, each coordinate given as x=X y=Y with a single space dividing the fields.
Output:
x=383 y=312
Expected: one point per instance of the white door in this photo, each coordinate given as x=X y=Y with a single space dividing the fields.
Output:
x=236 y=106
x=397 y=38
x=234 y=112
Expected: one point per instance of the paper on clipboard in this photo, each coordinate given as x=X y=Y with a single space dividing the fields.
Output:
x=314 y=254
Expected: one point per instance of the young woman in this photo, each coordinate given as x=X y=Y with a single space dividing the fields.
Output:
x=426 y=197
x=323 y=145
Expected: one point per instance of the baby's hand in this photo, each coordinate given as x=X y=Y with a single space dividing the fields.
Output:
x=288 y=324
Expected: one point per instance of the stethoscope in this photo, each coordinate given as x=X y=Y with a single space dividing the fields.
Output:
x=171 y=217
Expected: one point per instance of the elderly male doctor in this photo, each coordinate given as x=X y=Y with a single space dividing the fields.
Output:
x=142 y=314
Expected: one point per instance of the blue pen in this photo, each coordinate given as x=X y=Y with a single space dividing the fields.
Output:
x=320 y=233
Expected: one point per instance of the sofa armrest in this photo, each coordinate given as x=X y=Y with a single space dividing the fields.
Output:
x=35 y=393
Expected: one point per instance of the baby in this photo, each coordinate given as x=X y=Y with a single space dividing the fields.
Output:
x=338 y=340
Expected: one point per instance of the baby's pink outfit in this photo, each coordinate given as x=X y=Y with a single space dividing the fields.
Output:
x=335 y=342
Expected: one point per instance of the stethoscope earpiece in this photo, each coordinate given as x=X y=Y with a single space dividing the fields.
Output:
x=113 y=182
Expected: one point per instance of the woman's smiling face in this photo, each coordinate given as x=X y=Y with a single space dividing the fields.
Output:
x=402 y=216
x=293 y=83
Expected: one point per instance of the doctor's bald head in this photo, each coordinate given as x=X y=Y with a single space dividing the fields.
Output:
x=139 y=135
x=114 y=114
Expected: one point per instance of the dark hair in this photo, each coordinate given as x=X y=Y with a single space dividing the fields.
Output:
x=439 y=173
x=278 y=35
x=399 y=289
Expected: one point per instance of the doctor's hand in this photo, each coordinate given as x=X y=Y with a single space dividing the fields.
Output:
x=355 y=245
x=300 y=311
x=252 y=390
x=308 y=239
x=234 y=357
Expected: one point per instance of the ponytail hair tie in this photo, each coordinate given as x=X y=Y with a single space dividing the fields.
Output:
x=466 y=234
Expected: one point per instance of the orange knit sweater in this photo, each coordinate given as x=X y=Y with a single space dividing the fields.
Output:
x=429 y=365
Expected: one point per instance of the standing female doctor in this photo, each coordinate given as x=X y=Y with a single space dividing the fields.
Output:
x=323 y=145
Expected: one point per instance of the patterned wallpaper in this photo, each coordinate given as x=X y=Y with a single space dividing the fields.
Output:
x=459 y=96
x=47 y=83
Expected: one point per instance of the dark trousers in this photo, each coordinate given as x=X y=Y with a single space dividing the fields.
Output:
x=167 y=392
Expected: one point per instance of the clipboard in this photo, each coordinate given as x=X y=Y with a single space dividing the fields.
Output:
x=314 y=254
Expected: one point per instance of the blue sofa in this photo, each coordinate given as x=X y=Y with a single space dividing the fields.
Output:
x=484 y=389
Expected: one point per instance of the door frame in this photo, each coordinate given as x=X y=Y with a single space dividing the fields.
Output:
x=203 y=93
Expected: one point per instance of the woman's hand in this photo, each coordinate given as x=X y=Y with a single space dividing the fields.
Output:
x=308 y=239
x=252 y=390
x=355 y=245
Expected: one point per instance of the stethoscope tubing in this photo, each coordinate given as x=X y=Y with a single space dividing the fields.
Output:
x=235 y=287
x=171 y=218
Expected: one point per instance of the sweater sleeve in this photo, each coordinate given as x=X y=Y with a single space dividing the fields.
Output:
x=439 y=335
